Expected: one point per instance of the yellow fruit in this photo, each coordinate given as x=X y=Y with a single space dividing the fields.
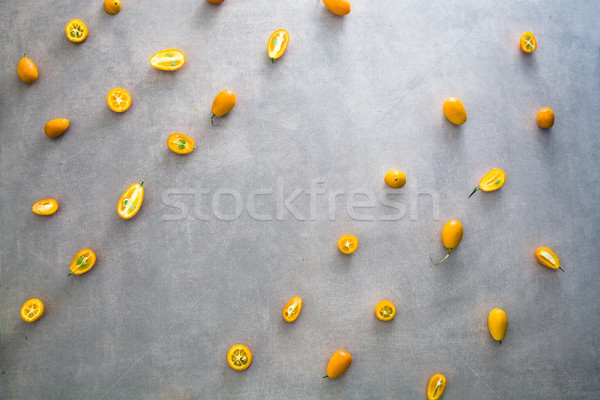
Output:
x=76 y=31
x=56 y=127
x=498 y=323
x=239 y=357
x=545 y=118
x=32 y=310
x=27 y=70
x=112 y=7
x=395 y=178
x=455 y=111
x=338 y=7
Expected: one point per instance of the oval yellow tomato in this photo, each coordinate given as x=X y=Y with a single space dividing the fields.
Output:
x=56 y=127
x=223 y=103
x=32 y=310
x=76 y=31
x=338 y=7
x=27 y=70
x=436 y=387
x=395 y=178
x=338 y=364
x=348 y=244
x=278 y=43
x=455 y=111
x=83 y=261
x=548 y=258
x=491 y=181
x=385 y=310
x=45 y=207
x=131 y=201
x=180 y=143
x=498 y=323
x=545 y=118
x=239 y=357
x=118 y=100
x=168 y=60
x=112 y=7
x=527 y=43
x=292 y=309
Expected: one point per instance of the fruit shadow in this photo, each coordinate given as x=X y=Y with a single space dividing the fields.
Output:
x=207 y=13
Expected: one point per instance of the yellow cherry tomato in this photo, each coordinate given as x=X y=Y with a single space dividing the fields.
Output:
x=83 y=261
x=348 y=244
x=528 y=43
x=455 y=111
x=239 y=357
x=338 y=7
x=76 y=31
x=385 y=310
x=45 y=207
x=395 y=178
x=436 y=387
x=278 y=43
x=498 y=323
x=112 y=7
x=180 y=143
x=27 y=70
x=338 y=364
x=545 y=118
x=118 y=100
x=491 y=181
x=292 y=309
x=548 y=258
x=56 y=127
x=223 y=103
x=168 y=60
x=32 y=310
x=131 y=201
x=452 y=234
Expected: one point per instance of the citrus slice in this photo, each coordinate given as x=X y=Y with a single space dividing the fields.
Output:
x=180 y=143
x=130 y=202
x=292 y=309
x=32 y=310
x=45 y=207
x=436 y=387
x=278 y=43
x=168 y=60
x=528 y=43
x=76 y=31
x=385 y=310
x=348 y=244
x=118 y=100
x=83 y=261
x=239 y=357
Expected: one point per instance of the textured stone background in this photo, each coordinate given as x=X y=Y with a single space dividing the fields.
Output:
x=353 y=97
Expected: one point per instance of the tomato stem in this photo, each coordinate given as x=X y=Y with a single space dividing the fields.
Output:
x=476 y=189
x=561 y=269
x=442 y=260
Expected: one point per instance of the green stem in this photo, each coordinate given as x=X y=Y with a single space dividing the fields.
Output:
x=70 y=273
x=561 y=269
x=442 y=260
x=142 y=183
x=500 y=341
x=325 y=376
x=273 y=60
x=211 y=119
x=476 y=189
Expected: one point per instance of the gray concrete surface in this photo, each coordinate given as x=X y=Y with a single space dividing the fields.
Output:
x=208 y=262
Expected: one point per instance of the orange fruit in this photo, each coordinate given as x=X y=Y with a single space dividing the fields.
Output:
x=56 y=127
x=45 y=207
x=32 y=310
x=455 y=111
x=168 y=60
x=527 y=43
x=395 y=178
x=385 y=310
x=338 y=7
x=76 y=31
x=215 y=1
x=278 y=43
x=27 y=70
x=118 y=100
x=347 y=244
x=83 y=261
x=223 y=103
x=239 y=357
x=292 y=309
x=112 y=7
x=545 y=118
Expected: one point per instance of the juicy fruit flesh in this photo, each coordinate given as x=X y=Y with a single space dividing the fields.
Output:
x=277 y=43
x=31 y=310
x=119 y=100
x=239 y=357
x=548 y=257
x=386 y=311
x=76 y=31
x=129 y=203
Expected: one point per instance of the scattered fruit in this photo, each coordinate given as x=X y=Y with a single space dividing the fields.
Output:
x=338 y=7
x=56 y=127
x=385 y=310
x=118 y=100
x=278 y=43
x=451 y=237
x=455 y=111
x=83 y=261
x=395 y=178
x=168 y=60
x=32 y=310
x=498 y=323
x=548 y=258
x=491 y=181
x=180 y=143
x=528 y=43
x=223 y=103
x=292 y=309
x=45 y=207
x=112 y=7
x=338 y=364
x=76 y=31
x=348 y=244
x=27 y=70
x=239 y=357
x=436 y=387
x=545 y=118
x=131 y=201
